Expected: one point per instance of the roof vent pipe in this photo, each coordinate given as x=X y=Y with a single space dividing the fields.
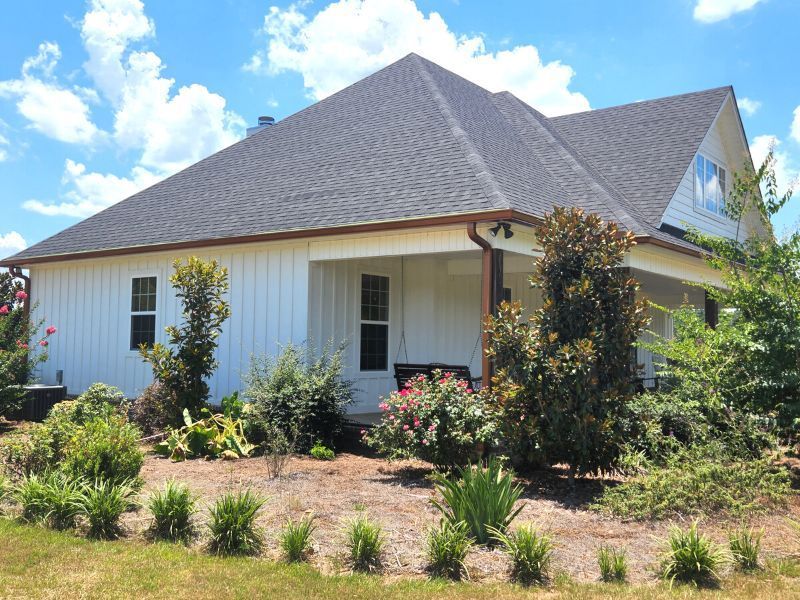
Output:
x=263 y=123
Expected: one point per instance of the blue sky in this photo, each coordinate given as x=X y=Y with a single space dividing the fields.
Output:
x=99 y=99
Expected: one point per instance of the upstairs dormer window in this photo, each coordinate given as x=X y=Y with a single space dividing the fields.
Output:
x=709 y=185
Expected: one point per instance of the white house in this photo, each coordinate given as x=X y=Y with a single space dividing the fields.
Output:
x=393 y=215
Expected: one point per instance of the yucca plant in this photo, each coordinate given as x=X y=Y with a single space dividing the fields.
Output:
x=481 y=497
x=172 y=510
x=31 y=494
x=745 y=546
x=530 y=552
x=448 y=545
x=613 y=564
x=691 y=558
x=103 y=502
x=233 y=524
x=62 y=501
x=295 y=539
x=364 y=540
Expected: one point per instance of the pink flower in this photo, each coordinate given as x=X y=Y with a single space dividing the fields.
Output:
x=405 y=427
x=404 y=407
x=424 y=442
x=391 y=417
x=363 y=432
x=20 y=344
x=50 y=330
x=469 y=390
x=383 y=406
x=404 y=392
x=432 y=427
x=416 y=422
x=21 y=295
x=4 y=309
x=43 y=343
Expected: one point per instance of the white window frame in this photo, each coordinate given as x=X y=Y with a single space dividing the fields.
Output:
x=133 y=313
x=388 y=322
x=722 y=182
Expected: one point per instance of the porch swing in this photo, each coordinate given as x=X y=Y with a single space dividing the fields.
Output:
x=404 y=372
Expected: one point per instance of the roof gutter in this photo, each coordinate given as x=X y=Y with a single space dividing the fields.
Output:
x=294 y=234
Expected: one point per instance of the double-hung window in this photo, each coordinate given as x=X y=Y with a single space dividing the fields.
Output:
x=709 y=185
x=374 y=347
x=143 y=311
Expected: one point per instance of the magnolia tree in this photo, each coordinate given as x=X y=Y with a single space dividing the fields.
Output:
x=183 y=366
x=565 y=375
x=22 y=348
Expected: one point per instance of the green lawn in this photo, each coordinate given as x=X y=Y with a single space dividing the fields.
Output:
x=37 y=563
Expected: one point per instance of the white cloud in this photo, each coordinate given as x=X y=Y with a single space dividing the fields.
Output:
x=748 y=106
x=92 y=192
x=11 y=243
x=795 y=130
x=786 y=169
x=171 y=131
x=3 y=151
x=711 y=11
x=352 y=38
x=51 y=109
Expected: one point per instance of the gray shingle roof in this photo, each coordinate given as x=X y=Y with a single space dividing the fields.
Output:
x=413 y=140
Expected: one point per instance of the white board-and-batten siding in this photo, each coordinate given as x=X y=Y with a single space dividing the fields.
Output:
x=90 y=304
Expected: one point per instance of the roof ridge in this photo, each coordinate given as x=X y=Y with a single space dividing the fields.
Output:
x=483 y=174
x=641 y=102
x=629 y=216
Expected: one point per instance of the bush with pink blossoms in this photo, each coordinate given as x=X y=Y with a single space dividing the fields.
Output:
x=440 y=420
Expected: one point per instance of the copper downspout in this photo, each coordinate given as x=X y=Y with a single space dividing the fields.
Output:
x=487 y=278
x=26 y=304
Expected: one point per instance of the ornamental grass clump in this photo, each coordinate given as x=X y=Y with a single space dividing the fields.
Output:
x=448 y=545
x=530 y=552
x=613 y=564
x=745 y=546
x=295 y=539
x=172 y=509
x=691 y=558
x=364 y=540
x=62 y=500
x=481 y=497
x=233 y=524
x=440 y=420
x=31 y=494
x=102 y=503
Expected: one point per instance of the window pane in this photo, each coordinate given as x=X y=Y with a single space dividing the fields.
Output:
x=711 y=186
x=143 y=294
x=721 y=202
x=374 y=347
x=143 y=330
x=374 y=298
x=699 y=177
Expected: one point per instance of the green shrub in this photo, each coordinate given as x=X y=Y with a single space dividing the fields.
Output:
x=31 y=495
x=295 y=539
x=172 y=510
x=99 y=400
x=691 y=558
x=364 y=540
x=277 y=449
x=440 y=420
x=745 y=546
x=155 y=410
x=103 y=503
x=481 y=497
x=565 y=374
x=698 y=481
x=213 y=436
x=62 y=500
x=104 y=449
x=320 y=452
x=233 y=524
x=613 y=564
x=448 y=545
x=187 y=361
x=530 y=553
x=301 y=395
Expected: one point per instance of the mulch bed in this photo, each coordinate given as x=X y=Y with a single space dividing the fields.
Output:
x=398 y=495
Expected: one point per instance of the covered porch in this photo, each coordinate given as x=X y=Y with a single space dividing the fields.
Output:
x=421 y=297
